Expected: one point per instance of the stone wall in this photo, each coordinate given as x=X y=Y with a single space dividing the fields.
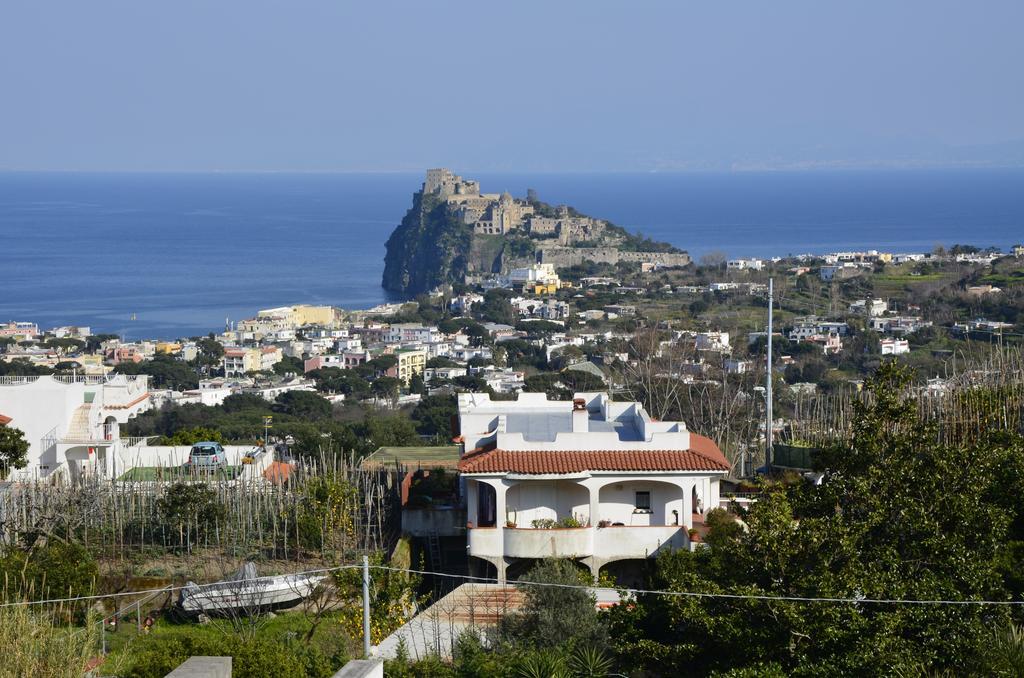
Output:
x=563 y=257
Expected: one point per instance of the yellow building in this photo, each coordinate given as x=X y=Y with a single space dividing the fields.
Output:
x=168 y=347
x=313 y=315
x=289 y=317
x=543 y=288
x=411 y=361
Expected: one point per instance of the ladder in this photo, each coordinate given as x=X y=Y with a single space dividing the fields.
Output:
x=434 y=552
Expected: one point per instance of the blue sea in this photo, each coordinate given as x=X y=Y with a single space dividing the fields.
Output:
x=183 y=253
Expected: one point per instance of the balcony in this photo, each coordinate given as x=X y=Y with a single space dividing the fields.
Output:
x=628 y=542
x=606 y=543
x=559 y=542
x=485 y=542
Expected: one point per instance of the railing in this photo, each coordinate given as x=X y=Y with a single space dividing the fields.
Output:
x=13 y=380
x=125 y=611
x=132 y=441
x=131 y=380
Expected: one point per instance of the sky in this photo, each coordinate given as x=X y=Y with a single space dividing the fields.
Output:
x=523 y=85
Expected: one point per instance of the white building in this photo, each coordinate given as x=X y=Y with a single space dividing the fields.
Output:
x=745 y=264
x=238 y=360
x=539 y=274
x=895 y=346
x=72 y=424
x=871 y=307
x=713 y=341
x=735 y=366
x=839 y=271
x=899 y=325
x=591 y=479
x=404 y=333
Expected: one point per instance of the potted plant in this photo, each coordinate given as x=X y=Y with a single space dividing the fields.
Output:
x=510 y=523
x=694 y=534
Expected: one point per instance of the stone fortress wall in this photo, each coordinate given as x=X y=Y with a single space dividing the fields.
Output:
x=500 y=214
x=562 y=257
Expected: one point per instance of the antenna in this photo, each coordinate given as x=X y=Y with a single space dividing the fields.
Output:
x=768 y=382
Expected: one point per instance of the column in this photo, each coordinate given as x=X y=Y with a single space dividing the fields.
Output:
x=472 y=502
x=499 y=501
x=687 y=487
x=595 y=504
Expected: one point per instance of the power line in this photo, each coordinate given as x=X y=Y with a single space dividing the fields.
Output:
x=168 y=589
x=857 y=600
x=696 y=594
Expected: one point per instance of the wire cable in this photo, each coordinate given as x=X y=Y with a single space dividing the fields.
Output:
x=857 y=600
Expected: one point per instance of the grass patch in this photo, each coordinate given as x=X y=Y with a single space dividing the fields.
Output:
x=1003 y=279
x=266 y=646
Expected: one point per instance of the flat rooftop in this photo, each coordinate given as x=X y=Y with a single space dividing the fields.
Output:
x=542 y=427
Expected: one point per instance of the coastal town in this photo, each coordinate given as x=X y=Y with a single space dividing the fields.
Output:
x=594 y=403
x=532 y=340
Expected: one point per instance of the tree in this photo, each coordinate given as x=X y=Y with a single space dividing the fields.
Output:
x=388 y=432
x=50 y=569
x=896 y=516
x=386 y=388
x=65 y=344
x=497 y=308
x=416 y=384
x=713 y=259
x=555 y=616
x=289 y=365
x=303 y=404
x=191 y=508
x=433 y=416
x=13 y=449
x=196 y=434
x=164 y=371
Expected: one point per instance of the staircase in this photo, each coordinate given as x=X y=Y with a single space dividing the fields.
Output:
x=434 y=630
x=80 y=429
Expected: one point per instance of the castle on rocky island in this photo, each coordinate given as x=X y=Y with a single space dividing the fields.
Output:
x=501 y=214
x=453 y=233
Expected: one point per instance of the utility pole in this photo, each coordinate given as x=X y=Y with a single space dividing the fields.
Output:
x=366 y=607
x=768 y=382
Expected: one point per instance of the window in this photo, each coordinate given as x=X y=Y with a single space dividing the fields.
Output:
x=643 y=501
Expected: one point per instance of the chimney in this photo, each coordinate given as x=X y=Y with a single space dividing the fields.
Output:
x=580 y=416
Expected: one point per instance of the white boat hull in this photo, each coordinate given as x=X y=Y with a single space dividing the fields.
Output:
x=243 y=597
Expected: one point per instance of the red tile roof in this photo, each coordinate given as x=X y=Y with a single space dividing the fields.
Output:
x=703 y=455
x=4 y=421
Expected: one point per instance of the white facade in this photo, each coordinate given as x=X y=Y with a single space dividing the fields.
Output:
x=713 y=341
x=895 y=346
x=872 y=307
x=72 y=424
x=735 y=366
x=634 y=486
x=543 y=274
x=745 y=264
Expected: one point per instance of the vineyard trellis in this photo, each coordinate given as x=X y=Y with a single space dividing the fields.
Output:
x=987 y=391
x=113 y=517
x=981 y=384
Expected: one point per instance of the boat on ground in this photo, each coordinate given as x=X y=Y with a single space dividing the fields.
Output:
x=246 y=593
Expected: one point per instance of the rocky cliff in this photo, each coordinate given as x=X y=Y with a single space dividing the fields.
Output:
x=429 y=248
x=436 y=244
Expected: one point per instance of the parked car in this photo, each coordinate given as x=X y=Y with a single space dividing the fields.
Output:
x=207 y=456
